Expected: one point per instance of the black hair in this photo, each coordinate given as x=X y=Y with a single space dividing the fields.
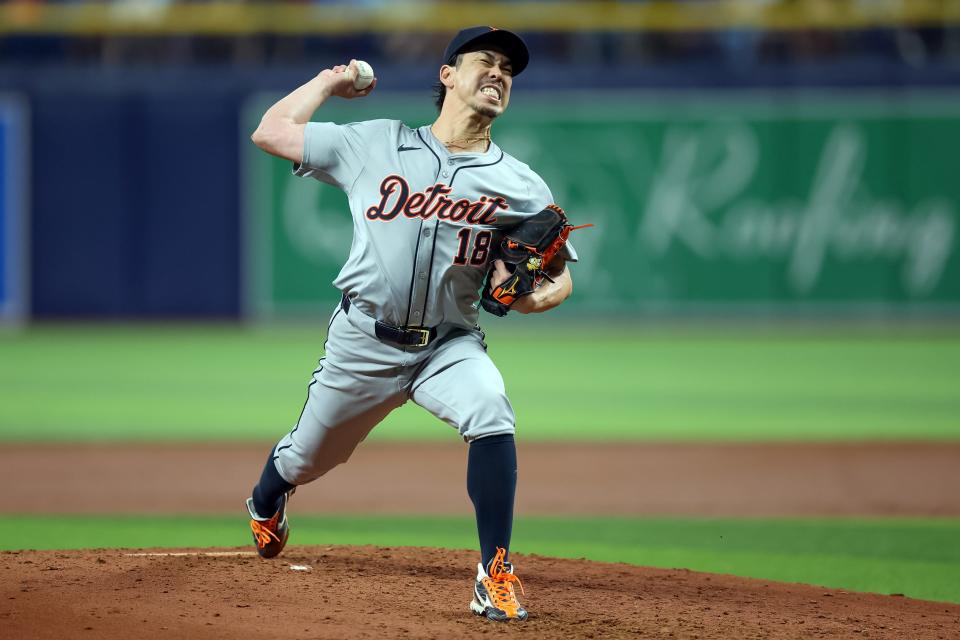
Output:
x=439 y=90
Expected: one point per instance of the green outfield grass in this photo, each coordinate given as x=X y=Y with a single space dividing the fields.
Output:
x=917 y=558
x=568 y=382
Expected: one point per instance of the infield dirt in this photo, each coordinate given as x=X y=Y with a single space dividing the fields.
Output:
x=370 y=592
x=859 y=479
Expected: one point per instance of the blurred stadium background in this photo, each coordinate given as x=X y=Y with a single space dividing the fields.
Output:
x=758 y=158
x=752 y=166
x=774 y=185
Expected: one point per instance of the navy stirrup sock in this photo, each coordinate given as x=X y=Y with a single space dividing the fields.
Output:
x=269 y=491
x=491 y=484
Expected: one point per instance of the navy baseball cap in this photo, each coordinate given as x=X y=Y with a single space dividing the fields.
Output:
x=475 y=38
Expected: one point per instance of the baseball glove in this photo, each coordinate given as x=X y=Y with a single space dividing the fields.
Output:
x=526 y=250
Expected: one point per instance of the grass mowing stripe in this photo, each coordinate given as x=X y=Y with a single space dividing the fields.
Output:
x=916 y=557
x=230 y=382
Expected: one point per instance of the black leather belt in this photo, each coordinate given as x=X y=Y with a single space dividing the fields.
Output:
x=408 y=336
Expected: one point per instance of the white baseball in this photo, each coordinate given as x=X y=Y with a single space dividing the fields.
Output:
x=364 y=76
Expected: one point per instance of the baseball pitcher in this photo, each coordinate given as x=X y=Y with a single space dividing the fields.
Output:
x=444 y=222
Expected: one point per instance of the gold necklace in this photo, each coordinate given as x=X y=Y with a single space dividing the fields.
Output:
x=467 y=140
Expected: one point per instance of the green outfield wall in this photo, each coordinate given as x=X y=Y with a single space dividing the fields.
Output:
x=703 y=202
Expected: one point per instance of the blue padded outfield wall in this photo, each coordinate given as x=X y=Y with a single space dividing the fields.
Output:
x=6 y=247
x=135 y=204
x=13 y=208
x=137 y=188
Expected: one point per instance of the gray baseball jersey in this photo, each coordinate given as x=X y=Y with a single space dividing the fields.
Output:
x=425 y=223
x=425 y=220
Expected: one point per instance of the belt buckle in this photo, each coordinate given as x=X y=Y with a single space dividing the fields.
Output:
x=424 y=337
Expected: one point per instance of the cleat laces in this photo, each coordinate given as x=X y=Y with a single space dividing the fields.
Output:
x=501 y=579
x=263 y=533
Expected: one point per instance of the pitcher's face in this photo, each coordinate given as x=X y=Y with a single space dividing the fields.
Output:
x=483 y=81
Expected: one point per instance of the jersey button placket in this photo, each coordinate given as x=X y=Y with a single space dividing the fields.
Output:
x=421 y=271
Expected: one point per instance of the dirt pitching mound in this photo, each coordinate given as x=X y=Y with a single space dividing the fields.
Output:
x=389 y=592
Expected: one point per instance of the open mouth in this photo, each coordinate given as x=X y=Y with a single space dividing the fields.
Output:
x=491 y=91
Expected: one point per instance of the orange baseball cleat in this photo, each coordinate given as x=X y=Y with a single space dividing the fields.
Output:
x=493 y=595
x=270 y=534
